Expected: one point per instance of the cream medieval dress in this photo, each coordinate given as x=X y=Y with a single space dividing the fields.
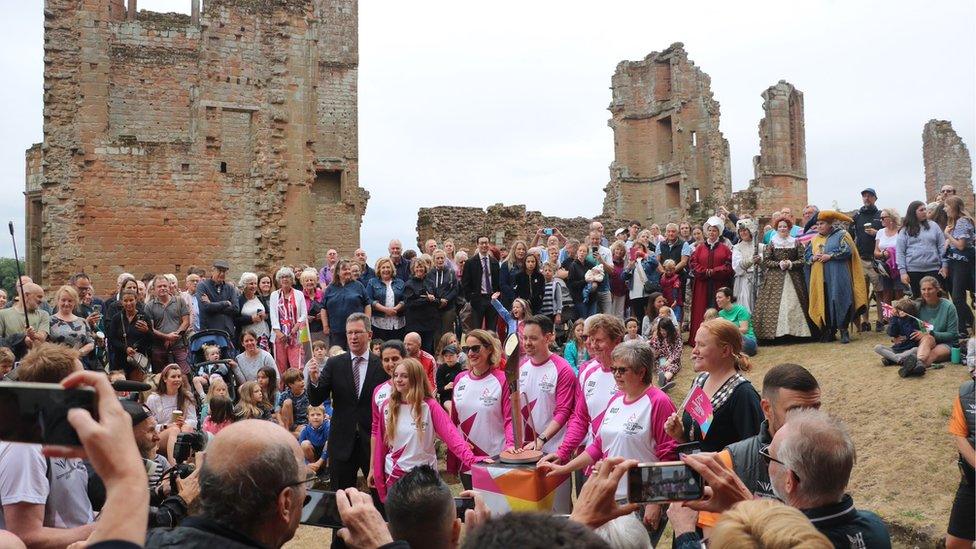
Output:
x=742 y=255
x=781 y=308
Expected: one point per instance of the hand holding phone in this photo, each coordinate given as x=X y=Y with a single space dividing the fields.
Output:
x=461 y=505
x=321 y=509
x=662 y=482
x=37 y=413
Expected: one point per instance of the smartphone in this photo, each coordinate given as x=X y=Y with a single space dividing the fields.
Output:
x=461 y=505
x=37 y=413
x=321 y=510
x=662 y=482
x=689 y=448
x=547 y=232
x=97 y=309
x=595 y=249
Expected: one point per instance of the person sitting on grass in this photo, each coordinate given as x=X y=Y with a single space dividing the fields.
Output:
x=901 y=327
x=314 y=439
x=293 y=402
x=666 y=344
x=252 y=404
x=221 y=413
x=633 y=330
x=217 y=387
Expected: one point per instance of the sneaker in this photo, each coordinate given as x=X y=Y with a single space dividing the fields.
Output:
x=908 y=366
x=667 y=386
x=661 y=380
x=878 y=326
x=845 y=337
x=887 y=362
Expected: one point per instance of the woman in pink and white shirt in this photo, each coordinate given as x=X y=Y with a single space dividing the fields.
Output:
x=409 y=420
x=596 y=382
x=633 y=422
x=392 y=353
x=480 y=400
x=547 y=386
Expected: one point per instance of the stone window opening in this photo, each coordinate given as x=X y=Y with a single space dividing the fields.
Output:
x=223 y=167
x=672 y=195
x=694 y=139
x=697 y=193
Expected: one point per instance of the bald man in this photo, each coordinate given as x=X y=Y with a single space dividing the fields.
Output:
x=413 y=342
x=12 y=318
x=252 y=487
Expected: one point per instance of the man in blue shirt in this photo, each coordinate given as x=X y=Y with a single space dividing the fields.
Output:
x=218 y=301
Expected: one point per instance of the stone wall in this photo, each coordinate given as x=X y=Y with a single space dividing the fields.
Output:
x=172 y=139
x=669 y=153
x=502 y=224
x=947 y=162
x=781 y=167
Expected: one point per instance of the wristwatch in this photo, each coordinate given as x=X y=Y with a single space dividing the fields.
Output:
x=543 y=438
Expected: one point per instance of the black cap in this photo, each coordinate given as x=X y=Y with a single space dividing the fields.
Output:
x=450 y=349
x=869 y=190
x=137 y=411
x=221 y=264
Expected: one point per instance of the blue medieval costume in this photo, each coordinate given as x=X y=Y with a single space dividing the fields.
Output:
x=837 y=289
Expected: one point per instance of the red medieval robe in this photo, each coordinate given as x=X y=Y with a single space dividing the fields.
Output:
x=718 y=258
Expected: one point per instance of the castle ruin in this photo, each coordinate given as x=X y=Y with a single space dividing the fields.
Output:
x=176 y=139
x=947 y=162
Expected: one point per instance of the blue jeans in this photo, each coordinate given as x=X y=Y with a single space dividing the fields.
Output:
x=749 y=345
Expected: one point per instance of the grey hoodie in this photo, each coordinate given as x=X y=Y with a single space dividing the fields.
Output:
x=922 y=252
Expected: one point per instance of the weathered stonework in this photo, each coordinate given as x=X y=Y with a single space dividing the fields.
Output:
x=781 y=167
x=947 y=162
x=172 y=140
x=669 y=153
x=502 y=224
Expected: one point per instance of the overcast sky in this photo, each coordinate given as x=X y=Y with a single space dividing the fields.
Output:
x=471 y=104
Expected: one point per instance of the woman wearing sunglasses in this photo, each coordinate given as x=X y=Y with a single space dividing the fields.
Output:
x=632 y=425
x=409 y=419
x=481 y=407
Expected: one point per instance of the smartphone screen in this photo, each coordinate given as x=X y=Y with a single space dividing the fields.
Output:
x=321 y=510
x=37 y=413
x=461 y=505
x=660 y=482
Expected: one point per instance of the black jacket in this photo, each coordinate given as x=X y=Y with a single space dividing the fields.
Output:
x=199 y=533
x=471 y=276
x=422 y=314
x=845 y=526
x=862 y=240
x=531 y=288
x=576 y=280
x=444 y=285
x=350 y=415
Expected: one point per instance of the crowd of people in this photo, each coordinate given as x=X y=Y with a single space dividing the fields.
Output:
x=356 y=376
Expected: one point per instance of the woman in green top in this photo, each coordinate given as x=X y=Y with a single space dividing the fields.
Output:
x=935 y=344
x=738 y=315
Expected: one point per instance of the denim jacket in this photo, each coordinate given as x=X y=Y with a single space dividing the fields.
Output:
x=376 y=291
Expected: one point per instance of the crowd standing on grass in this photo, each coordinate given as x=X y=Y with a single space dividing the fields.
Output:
x=354 y=375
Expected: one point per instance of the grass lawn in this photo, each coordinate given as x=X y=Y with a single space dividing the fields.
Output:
x=906 y=465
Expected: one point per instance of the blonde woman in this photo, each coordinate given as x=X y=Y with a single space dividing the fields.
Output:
x=66 y=328
x=513 y=264
x=409 y=419
x=385 y=294
x=288 y=318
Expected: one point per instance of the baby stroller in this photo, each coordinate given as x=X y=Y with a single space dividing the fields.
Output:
x=203 y=367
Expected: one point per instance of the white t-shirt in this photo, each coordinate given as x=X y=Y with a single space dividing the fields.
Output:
x=479 y=407
x=411 y=446
x=537 y=383
x=24 y=479
x=598 y=388
x=382 y=393
x=885 y=241
x=626 y=431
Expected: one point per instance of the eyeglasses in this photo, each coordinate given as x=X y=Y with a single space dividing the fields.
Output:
x=766 y=458
x=472 y=349
x=619 y=371
x=307 y=480
x=584 y=337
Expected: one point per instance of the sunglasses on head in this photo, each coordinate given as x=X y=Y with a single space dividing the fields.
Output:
x=471 y=349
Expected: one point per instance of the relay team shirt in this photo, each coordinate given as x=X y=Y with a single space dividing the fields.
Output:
x=380 y=395
x=598 y=388
x=635 y=430
x=479 y=411
x=413 y=442
x=548 y=394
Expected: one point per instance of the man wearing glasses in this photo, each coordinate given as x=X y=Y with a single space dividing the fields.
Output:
x=252 y=488
x=348 y=380
x=937 y=210
x=810 y=461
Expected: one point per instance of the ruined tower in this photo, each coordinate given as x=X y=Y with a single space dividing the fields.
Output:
x=781 y=167
x=669 y=153
x=947 y=162
x=173 y=139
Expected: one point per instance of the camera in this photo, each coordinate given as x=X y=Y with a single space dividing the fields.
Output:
x=547 y=231
x=186 y=443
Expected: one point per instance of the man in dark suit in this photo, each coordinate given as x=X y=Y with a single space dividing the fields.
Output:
x=478 y=281
x=348 y=380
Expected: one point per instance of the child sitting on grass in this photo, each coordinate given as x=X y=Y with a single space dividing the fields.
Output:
x=293 y=403
x=7 y=361
x=901 y=324
x=314 y=439
x=633 y=330
x=221 y=414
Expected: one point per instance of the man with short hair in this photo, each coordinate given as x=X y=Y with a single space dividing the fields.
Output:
x=327 y=272
x=786 y=387
x=188 y=295
x=479 y=281
x=810 y=461
x=170 y=320
x=420 y=509
x=252 y=488
x=12 y=319
x=600 y=255
x=218 y=301
x=367 y=271
x=548 y=387
x=936 y=210
x=44 y=501
x=596 y=226
x=867 y=223
x=413 y=343
x=430 y=246
x=348 y=380
x=400 y=264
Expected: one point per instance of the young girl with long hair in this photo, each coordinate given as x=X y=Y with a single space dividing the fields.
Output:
x=409 y=419
x=221 y=414
x=575 y=350
x=666 y=344
x=252 y=404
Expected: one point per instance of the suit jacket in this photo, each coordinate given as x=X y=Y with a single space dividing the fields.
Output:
x=471 y=277
x=349 y=414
